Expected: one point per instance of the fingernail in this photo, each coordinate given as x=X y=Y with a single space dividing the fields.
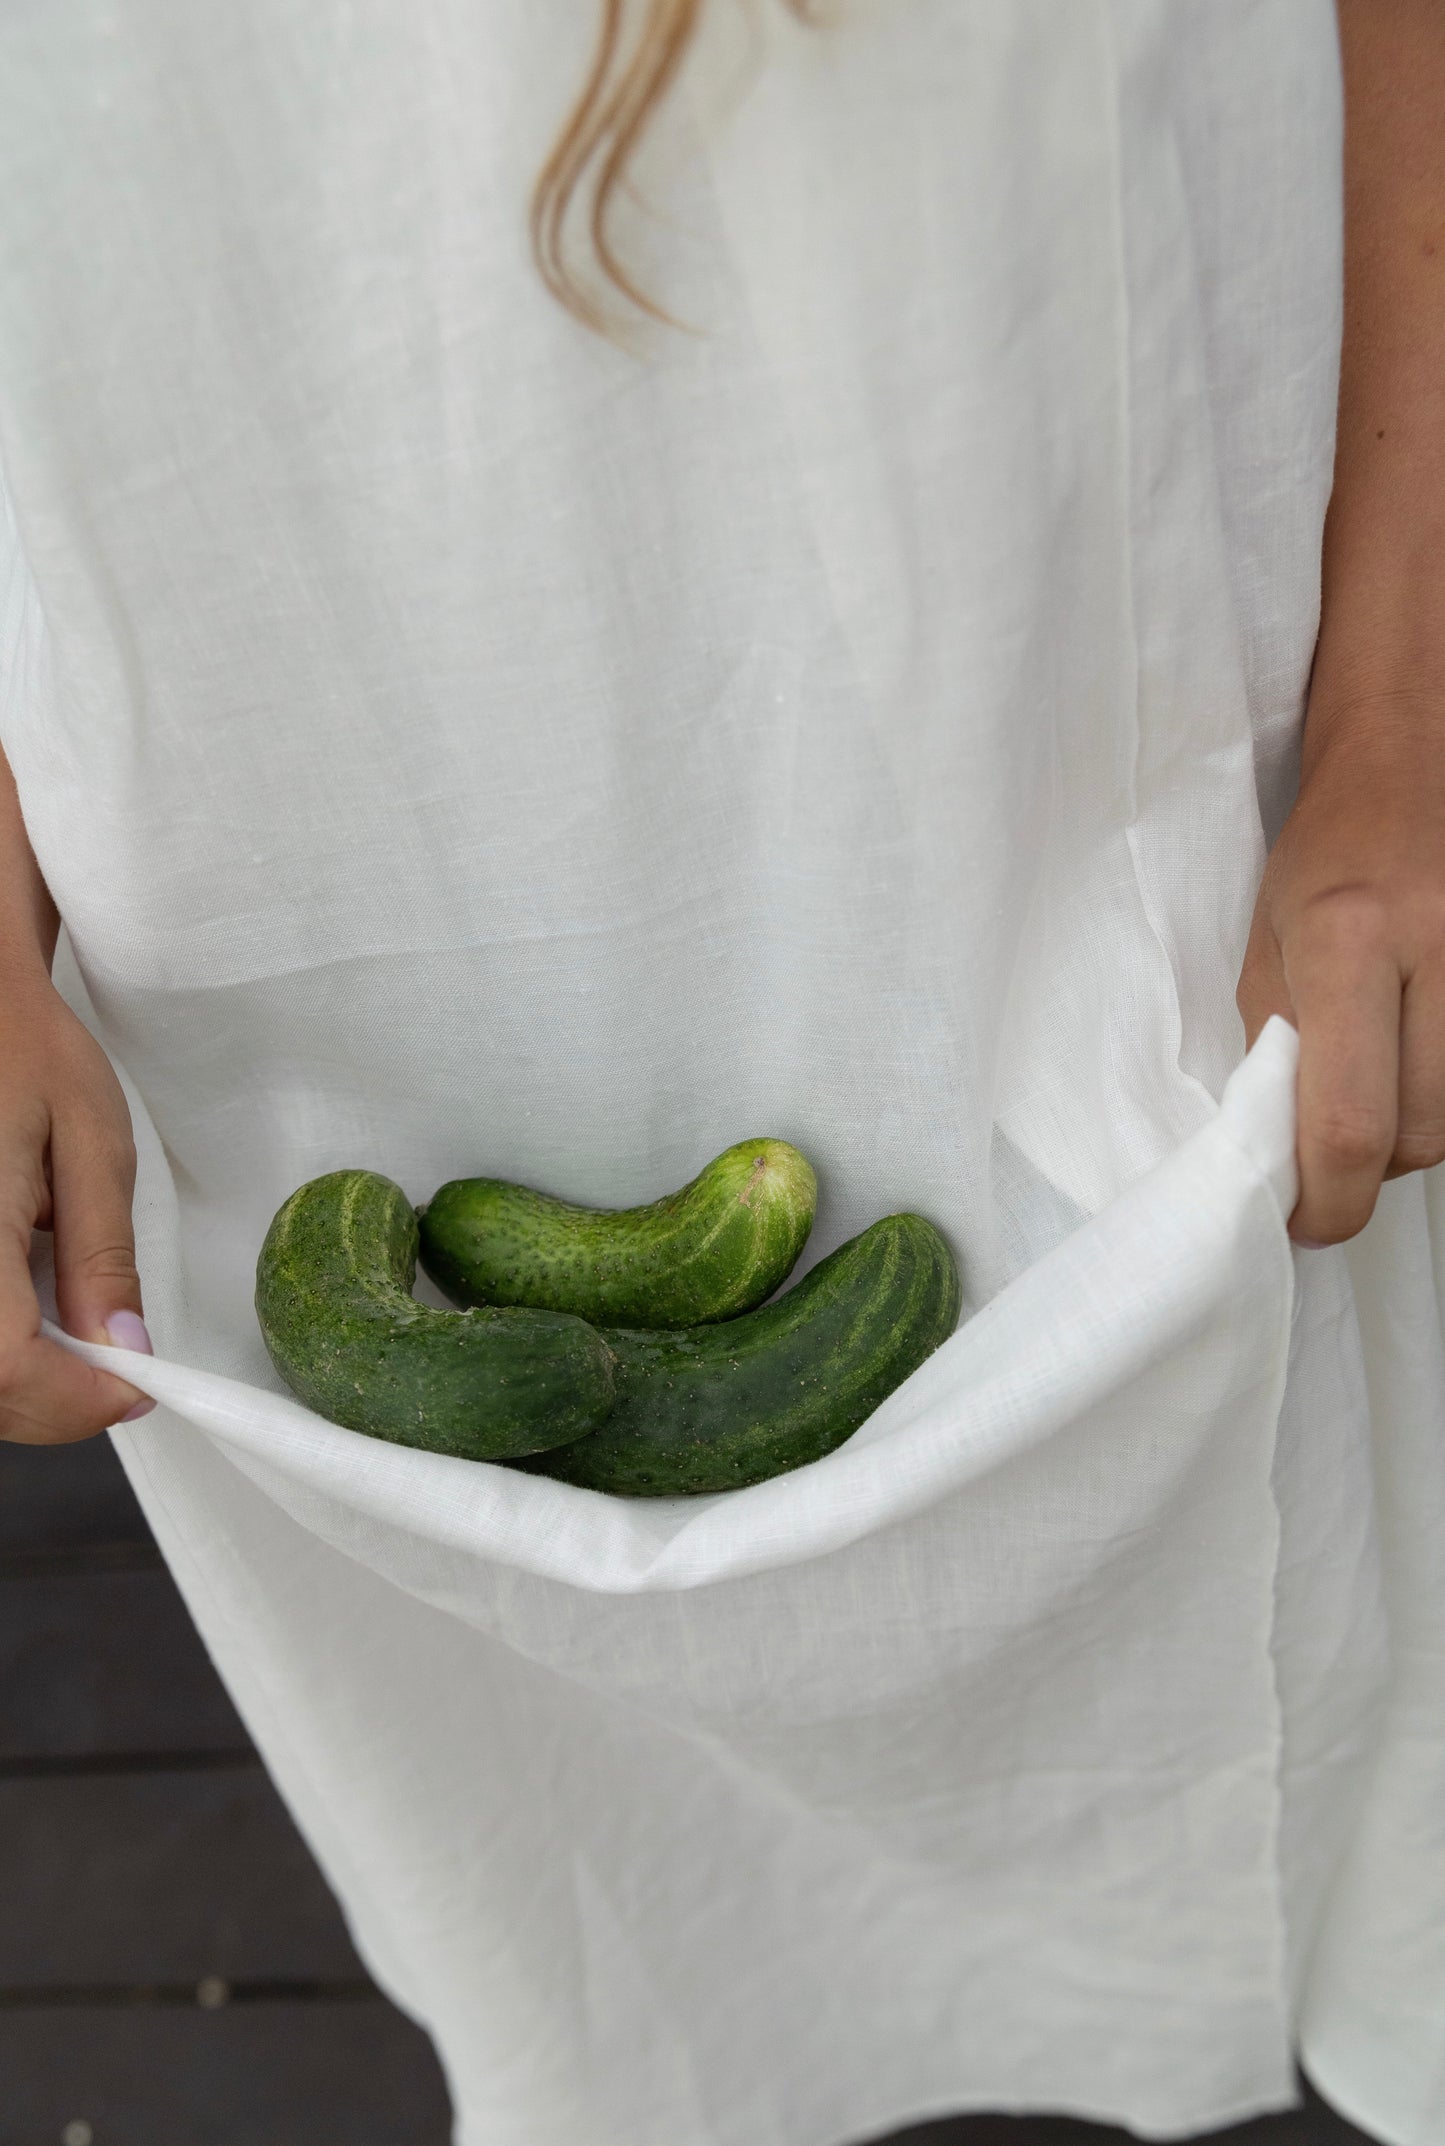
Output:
x=127 y=1330
x=1311 y=1244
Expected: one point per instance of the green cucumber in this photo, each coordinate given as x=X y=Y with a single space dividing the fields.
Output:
x=333 y=1297
x=716 y=1407
x=718 y=1247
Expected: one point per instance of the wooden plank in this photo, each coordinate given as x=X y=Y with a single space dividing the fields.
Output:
x=161 y=1878
x=328 y=2074
x=266 y=2074
x=68 y=1498
x=107 y=1662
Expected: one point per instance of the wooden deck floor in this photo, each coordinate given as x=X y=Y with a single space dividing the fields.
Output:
x=173 y=1969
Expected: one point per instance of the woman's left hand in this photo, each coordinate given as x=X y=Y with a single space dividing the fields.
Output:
x=1348 y=943
x=1348 y=938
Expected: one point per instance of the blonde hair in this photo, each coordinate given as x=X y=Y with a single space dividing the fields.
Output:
x=611 y=120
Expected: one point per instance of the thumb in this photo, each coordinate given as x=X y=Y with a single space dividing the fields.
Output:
x=1262 y=989
x=92 y=1182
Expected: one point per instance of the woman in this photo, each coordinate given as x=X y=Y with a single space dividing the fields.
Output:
x=454 y=745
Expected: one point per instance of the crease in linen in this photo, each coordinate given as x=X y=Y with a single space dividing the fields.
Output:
x=455 y=746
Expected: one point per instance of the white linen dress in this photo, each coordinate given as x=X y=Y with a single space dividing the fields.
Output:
x=457 y=745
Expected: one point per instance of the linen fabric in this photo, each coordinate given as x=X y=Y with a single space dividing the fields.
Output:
x=459 y=745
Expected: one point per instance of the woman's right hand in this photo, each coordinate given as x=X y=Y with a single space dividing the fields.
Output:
x=67 y=1164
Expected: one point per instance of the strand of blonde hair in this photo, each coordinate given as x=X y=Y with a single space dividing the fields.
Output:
x=611 y=121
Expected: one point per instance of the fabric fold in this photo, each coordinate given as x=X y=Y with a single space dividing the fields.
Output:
x=1142 y=1279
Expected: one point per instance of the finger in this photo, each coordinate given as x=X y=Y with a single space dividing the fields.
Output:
x=47 y=1395
x=1262 y=990
x=92 y=1180
x=1420 y=1134
x=1344 y=980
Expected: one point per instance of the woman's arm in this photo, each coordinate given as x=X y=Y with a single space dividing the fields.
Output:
x=1348 y=938
x=67 y=1164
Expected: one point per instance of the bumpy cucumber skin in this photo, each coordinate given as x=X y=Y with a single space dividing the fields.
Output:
x=718 y=1247
x=333 y=1297
x=718 y=1407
